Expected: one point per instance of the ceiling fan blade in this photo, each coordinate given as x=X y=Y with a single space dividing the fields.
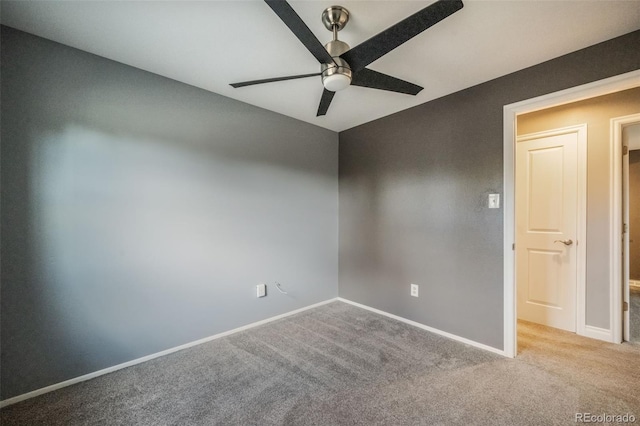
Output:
x=384 y=42
x=325 y=101
x=291 y=19
x=271 y=80
x=376 y=80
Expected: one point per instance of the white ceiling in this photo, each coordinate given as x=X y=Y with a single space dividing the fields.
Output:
x=210 y=44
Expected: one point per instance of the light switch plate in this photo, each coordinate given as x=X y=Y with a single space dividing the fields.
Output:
x=494 y=201
x=261 y=290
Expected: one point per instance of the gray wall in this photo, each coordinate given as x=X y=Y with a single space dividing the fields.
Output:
x=413 y=197
x=139 y=213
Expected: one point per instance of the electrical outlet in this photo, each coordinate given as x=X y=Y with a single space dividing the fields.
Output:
x=261 y=290
x=414 y=290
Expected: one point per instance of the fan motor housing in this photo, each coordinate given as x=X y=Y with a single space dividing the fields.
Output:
x=331 y=69
x=332 y=74
x=336 y=47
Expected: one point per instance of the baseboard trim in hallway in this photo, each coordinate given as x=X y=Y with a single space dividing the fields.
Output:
x=108 y=370
x=427 y=328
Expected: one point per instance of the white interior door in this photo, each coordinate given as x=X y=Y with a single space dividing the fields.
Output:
x=547 y=227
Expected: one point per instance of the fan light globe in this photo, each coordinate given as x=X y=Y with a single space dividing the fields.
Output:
x=336 y=82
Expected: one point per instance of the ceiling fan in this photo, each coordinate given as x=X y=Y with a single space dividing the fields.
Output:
x=340 y=65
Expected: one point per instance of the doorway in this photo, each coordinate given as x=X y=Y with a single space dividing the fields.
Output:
x=626 y=133
x=609 y=327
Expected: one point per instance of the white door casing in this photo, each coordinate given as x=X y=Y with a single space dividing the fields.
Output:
x=626 y=296
x=547 y=221
x=619 y=185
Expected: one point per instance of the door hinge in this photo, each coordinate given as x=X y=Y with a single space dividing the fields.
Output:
x=625 y=150
x=625 y=306
x=625 y=228
x=513 y=246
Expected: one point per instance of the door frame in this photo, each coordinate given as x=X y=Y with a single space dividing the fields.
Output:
x=616 y=184
x=581 y=212
x=510 y=113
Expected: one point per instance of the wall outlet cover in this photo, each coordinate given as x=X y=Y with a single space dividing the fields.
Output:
x=414 y=290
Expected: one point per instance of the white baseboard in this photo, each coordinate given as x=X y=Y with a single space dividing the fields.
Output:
x=598 y=333
x=98 y=373
x=426 y=327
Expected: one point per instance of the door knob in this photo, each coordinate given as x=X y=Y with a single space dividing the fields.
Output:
x=565 y=242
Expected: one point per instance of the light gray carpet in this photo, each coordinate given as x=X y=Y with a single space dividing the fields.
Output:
x=634 y=314
x=341 y=365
